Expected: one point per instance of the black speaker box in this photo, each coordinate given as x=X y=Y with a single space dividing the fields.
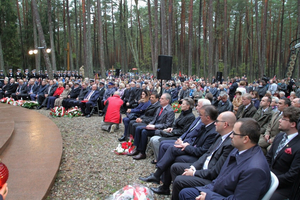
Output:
x=117 y=72
x=164 y=67
x=219 y=76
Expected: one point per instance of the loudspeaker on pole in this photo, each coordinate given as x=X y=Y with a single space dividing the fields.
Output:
x=164 y=68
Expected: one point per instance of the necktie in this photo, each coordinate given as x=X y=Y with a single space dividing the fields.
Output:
x=160 y=111
x=281 y=144
x=89 y=96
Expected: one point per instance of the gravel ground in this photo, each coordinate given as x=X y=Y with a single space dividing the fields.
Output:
x=89 y=169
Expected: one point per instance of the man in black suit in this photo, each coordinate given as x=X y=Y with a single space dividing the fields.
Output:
x=72 y=95
x=284 y=155
x=75 y=102
x=208 y=166
x=185 y=152
x=101 y=95
x=11 y=88
x=164 y=118
x=3 y=88
x=21 y=91
x=89 y=100
x=47 y=93
x=132 y=96
x=147 y=117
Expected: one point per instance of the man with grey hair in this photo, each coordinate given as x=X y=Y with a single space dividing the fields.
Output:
x=274 y=104
x=247 y=109
x=223 y=103
x=296 y=102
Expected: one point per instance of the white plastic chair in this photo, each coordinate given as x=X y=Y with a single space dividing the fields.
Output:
x=273 y=187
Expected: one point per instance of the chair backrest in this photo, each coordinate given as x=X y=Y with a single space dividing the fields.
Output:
x=273 y=187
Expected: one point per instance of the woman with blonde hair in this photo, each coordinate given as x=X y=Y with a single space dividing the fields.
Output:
x=62 y=96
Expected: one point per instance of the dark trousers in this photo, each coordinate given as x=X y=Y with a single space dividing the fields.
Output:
x=40 y=99
x=126 y=122
x=86 y=107
x=50 y=103
x=141 y=138
x=180 y=182
x=19 y=96
x=132 y=126
x=189 y=194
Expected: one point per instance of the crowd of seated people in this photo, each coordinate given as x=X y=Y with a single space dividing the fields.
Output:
x=253 y=125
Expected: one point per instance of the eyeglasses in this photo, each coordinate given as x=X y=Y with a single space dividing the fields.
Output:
x=219 y=121
x=283 y=119
x=234 y=133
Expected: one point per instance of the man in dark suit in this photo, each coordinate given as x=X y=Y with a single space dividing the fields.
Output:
x=223 y=103
x=247 y=109
x=208 y=166
x=164 y=118
x=89 y=100
x=21 y=91
x=47 y=93
x=40 y=91
x=284 y=155
x=186 y=152
x=132 y=96
x=101 y=95
x=32 y=87
x=75 y=102
x=147 y=117
x=72 y=95
x=245 y=173
x=11 y=88
x=232 y=89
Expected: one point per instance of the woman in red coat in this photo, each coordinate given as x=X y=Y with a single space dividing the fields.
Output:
x=112 y=115
x=58 y=91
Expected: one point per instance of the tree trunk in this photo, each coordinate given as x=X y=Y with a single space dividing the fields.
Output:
x=163 y=27
x=298 y=36
x=88 y=67
x=1 y=56
x=51 y=37
x=281 y=65
x=42 y=38
x=151 y=37
x=211 y=38
x=100 y=38
x=70 y=38
x=21 y=35
x=182 y=37
x=36 y=44
x=258 y=40
x=76 y=37
x=190 y=54
x=264 y=39
x=225 y=40
x=155 y=36
x=198 y=57
x=170 y=27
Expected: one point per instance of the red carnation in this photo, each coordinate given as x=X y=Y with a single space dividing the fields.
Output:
x=288 y=151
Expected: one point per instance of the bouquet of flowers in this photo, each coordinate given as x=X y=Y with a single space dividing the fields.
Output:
x=3 y=100
x=58 y=111
x=176 y=107
x=125 y=147
x=73 y=112
x=30 y=104
x=18 y=103
x=133 y=192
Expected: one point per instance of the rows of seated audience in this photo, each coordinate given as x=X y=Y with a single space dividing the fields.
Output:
x=242 y=131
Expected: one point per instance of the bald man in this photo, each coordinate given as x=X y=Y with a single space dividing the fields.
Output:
x=296 y=102
x=208 y=166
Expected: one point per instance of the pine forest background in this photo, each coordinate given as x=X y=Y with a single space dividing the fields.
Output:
x=236 y=37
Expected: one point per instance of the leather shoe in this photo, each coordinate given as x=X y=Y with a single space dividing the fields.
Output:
x=151 y=179
x=140 y=156
x=88 y=116
x=133 y=153
x=101 y=114
x=153 y=162
x=161 y=190
x=123 y=138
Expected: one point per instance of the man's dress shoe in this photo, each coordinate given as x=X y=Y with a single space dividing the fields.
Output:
x=150 y=178
x=123 y=138
x=101 y=114
x=161 y=190
x=140 y=156
x=133 y=153
x=88 y=116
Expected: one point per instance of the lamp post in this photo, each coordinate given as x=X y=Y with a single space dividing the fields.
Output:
x=36 y=51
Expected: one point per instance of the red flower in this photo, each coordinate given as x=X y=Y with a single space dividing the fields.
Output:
x=129 y=143
x=124 y=145
x=176 y=110
x=288 y=151
x=174 y=106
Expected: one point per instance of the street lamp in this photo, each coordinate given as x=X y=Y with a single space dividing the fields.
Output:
x=35 y=51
